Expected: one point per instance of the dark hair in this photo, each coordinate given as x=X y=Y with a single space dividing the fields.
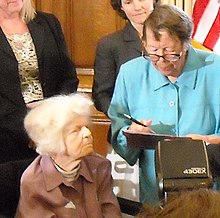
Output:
x=116 y=4
x=171 y=19
x=196 y=203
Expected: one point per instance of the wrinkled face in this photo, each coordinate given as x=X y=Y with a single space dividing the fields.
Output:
x=78 y=138
x=137 y=10
x=10 y=6
x=166 y=45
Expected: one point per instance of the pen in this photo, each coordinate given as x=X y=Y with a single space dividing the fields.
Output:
x=137 y=122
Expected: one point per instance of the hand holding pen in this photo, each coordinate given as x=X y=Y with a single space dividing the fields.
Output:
x=137 y=122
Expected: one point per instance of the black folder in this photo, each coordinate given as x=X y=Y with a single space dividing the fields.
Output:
x=148 y=140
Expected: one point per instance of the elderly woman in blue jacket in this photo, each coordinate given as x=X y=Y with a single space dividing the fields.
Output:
x=173 y=89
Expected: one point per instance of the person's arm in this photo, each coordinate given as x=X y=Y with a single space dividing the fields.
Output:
x=104 y=75
x=117 y=108
x=108 y=201
x=209 y=139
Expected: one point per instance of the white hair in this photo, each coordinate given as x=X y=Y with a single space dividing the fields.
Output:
x=45 y=123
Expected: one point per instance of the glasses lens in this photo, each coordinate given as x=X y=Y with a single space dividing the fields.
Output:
x=153 y=57
x=168 y=57
x=172 y=57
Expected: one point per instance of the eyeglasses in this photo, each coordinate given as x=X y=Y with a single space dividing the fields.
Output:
x=167 y=57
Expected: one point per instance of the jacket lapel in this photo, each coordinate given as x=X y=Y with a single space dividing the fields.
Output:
x=131 y=36
x=37 y=34
x=5 y=47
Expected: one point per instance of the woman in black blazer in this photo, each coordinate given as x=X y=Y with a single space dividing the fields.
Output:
x=45 y=60
x=115 y=49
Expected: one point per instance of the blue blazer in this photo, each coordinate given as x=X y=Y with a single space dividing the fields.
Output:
x=190 y=105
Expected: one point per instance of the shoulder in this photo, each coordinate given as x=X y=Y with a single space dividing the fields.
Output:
x=212 y=57
x=136 y=66
x=210 y=64
x=33 y=171
x=206 y=57
x=111 y=40
x=204 y=62
x=136 y=61
x=111 y=37
x=43 y=16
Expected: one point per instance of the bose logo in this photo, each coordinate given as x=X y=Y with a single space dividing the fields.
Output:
x=195 y=170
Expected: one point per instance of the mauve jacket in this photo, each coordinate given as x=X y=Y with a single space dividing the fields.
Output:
x=57 y=75
x=43 y=193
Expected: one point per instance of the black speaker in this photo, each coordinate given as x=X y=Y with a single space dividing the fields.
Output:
x=181 y=164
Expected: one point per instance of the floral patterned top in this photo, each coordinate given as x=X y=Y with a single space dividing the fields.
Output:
x=24 y=50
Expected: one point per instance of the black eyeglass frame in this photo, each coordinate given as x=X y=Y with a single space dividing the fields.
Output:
x=173 y=57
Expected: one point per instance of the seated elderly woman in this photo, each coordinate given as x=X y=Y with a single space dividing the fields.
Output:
x=67 y=179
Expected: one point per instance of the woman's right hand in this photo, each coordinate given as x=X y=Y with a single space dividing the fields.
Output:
x=140 y=128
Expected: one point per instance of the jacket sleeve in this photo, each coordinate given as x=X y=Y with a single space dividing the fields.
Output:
x=104 y=75
x=109 y=203
x=118 y=107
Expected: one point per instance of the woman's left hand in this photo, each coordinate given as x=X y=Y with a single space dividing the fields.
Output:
x=209 y=139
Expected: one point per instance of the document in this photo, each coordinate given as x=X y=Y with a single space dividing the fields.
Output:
x=148 y=140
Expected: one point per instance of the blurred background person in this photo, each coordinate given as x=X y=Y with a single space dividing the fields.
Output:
x=74 y=181
x=34 y=64
x=117 y=48
x=190 y=204
x=173 y=89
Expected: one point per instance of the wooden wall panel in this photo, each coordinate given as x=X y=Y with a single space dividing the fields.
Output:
x=186 y=5
x=84 y=22
x=99 y=130
x=90 y=21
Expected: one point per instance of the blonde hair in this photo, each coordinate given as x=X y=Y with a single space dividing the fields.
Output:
x=28 y=11
x=45 y=123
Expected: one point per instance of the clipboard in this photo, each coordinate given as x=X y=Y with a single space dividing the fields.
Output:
x=148 y=140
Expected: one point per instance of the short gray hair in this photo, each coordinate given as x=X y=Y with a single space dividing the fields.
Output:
x=45 y=123
x=171 y=19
